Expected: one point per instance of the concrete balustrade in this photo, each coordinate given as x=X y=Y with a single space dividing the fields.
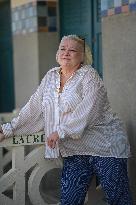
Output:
x=18 y=180
x=21 y=164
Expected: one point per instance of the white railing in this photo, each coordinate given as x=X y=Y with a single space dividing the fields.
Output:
x=23 y=168
x=14 y=180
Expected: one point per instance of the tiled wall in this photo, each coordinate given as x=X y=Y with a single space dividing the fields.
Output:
x=113 y=7
x=34 y=16
x=41 y=15
x=46 y=12
x=24 y=18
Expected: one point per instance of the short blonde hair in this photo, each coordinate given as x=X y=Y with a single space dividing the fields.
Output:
x=87 y=51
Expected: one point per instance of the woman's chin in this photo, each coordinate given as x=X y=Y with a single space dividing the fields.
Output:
x=66 y=65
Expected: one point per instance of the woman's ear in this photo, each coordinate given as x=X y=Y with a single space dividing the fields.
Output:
x=83 y=58
x=57 y=56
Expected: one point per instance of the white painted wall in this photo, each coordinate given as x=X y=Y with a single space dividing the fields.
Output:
x=26 y=66
x=119 y=63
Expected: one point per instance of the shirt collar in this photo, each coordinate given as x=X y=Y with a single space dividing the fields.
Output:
x=55 y=69
x=81 y=70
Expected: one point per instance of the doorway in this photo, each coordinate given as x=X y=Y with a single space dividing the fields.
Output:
x=6 y=59
x=84 y=19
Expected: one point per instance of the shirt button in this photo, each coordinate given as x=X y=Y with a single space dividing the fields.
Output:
x=57 y=90
x=75 y=137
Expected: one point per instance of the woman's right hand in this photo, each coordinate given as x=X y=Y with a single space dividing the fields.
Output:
x=2 y=137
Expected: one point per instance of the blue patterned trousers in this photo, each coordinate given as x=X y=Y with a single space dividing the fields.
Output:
x=78 y=172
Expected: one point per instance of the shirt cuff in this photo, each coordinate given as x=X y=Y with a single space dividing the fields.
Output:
x=60 y=133
x=7 y=130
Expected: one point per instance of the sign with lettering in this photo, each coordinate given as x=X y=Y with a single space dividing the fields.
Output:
x=36 y=138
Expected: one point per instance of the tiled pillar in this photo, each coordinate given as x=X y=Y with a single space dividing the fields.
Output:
x=35 y=41
x=47 y=34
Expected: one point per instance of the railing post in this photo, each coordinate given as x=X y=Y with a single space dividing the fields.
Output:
x=18 y=164
x=1 y=156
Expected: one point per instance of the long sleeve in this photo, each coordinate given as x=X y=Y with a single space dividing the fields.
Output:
x=88 y=111
x=30 y=118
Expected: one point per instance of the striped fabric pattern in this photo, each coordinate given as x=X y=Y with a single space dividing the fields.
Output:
x=81 y=114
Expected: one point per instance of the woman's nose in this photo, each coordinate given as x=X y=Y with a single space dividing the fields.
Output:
x=66 y=52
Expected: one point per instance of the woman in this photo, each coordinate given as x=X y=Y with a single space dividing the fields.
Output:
x=71 y=106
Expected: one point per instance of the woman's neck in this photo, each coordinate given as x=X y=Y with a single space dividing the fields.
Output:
x=68 y=71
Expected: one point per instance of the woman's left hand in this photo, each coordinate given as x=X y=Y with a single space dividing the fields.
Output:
x=52 y=139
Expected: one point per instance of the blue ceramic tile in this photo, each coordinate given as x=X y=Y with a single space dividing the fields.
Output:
x=15 y=16
x=52 y=29
x=27 y=23
x=20 y=25
x=132 y=7
x=23 y=24
x=125 y=2
x=117 y=3
x=17 y=26
x=13 y=27
x=18 y=9
x=51 y=11
x=42 y=21
x=132 y=1
x=104 y=13
x=42 y=11
x=104 y=5
x=34 y=22
x=30 y=23
x=52 y=21
x=41 y=3
x=27 y=12
x=30 y=11
x=35 y=10
x=110 y=4
x=117 y=10
x=23 y=13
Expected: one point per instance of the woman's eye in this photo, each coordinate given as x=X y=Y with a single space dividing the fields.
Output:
x=72 y=50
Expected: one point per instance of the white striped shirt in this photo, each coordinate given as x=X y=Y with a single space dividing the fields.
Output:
x=81 y=114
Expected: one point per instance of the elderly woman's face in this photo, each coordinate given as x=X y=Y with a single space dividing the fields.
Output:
x=70 y=54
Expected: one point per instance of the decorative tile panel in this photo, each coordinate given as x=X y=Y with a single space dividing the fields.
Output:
x=104 y=5
x=34 y=16
x=24 y=19
x=132 y=7
x=125 y=2
x=113 y=7
x=47 y=10
x=111 y=4
x=41 y=15
x=117 y=3
x=118 y=10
